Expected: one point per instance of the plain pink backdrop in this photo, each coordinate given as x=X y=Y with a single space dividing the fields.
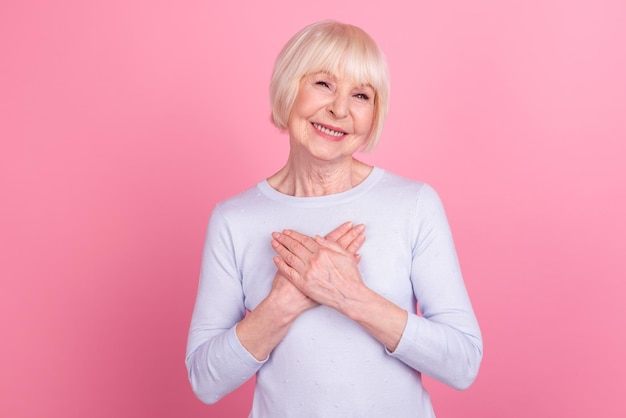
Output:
x=123 y=122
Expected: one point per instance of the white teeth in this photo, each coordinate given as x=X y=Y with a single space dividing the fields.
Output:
x=328 y=131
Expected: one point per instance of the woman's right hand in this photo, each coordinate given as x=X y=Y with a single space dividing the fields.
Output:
x=349 y=237
x=264 y=328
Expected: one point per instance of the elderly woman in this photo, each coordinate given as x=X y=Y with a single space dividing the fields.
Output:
x=332 y=327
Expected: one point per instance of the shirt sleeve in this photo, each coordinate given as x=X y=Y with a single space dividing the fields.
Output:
x=216 y=361
x=445 y=341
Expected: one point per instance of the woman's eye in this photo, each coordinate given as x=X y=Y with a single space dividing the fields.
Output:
x=362 y=96
x=323 y=84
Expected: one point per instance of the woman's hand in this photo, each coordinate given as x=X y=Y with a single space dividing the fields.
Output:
x=321 y=269
x=261 y=330
x=328 y=274
x=346 y=237
x=349 y=237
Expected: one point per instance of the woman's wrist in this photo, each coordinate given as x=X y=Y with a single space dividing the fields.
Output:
x=380 y=317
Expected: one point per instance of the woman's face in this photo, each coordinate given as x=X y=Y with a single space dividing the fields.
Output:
x=331 y=117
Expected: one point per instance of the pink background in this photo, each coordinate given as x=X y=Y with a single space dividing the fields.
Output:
x=123 y=122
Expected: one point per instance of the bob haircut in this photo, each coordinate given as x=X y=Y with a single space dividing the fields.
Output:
x=335 y=48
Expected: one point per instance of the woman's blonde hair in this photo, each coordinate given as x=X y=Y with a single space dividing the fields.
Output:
x=335 y=48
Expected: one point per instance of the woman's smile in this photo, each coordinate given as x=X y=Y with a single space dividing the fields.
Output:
x=331 y=133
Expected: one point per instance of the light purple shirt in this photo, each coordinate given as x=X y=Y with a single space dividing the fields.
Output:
x=327 y=365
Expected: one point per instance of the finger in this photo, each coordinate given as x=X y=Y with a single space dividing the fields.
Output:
x=340 y=231
x=356 y=244
x=353 y=234
x=294 y=238
x=329 y=244
x=287 y=255
x=287 y=241
x=287 y=271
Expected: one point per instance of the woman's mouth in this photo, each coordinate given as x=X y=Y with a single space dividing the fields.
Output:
x=328 y=131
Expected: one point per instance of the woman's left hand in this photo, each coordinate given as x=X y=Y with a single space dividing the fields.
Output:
x=318 y=267
x=328 y=274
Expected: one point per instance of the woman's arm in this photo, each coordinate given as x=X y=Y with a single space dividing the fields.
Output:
x=224 y=356
x=444 y=343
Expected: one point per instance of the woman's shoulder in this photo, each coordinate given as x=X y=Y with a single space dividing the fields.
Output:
x=391 y=179
x=397 y=185
x=240 y=200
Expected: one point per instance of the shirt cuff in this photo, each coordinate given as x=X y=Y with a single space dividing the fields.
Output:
x=408 y=337
x=240 y=351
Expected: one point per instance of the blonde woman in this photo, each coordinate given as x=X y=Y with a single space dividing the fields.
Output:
x=329 y=256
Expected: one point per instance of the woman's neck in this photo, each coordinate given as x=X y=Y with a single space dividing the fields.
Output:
x=307 y=178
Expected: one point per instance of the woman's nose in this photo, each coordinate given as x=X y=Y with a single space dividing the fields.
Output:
x=339 y=106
